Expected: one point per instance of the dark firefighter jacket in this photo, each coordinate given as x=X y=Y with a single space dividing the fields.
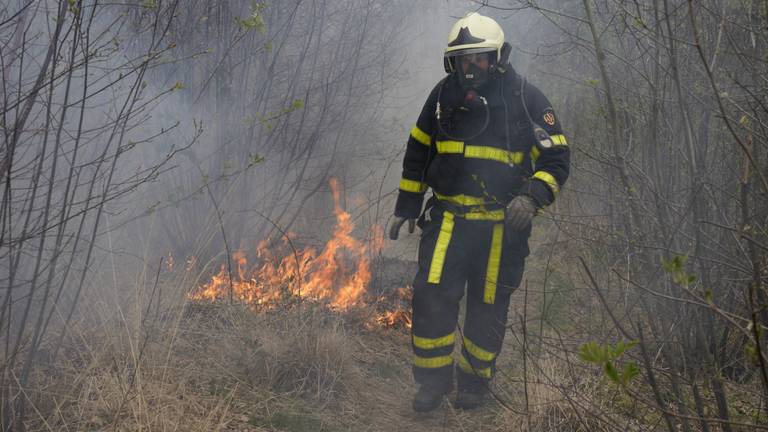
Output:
x=477 y=176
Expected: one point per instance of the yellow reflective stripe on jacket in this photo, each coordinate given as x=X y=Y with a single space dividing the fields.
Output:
x=450 y=147
x=412 y=186
x=494 y=154
x=559 y=140
x=429 y=343
x=549 y=180
x=535 y=153
x=479 y=152
x=441 y=247
x=463 y=200
x=478 y=352
x=432 y=362
x=421 y=136
x=492 y=272
x=469 y=369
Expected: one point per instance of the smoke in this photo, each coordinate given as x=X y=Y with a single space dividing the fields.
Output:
x=210 y=127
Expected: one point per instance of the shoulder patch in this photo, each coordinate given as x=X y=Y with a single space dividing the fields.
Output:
x=549 y=117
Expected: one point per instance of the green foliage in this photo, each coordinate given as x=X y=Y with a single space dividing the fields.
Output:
x=254 y=21
x=149 y=4
x=751 y=351
x=607 y=357
x=744 y=121
x=266 y=121
x=254 y=158
x=676 y=268
x=72 y=7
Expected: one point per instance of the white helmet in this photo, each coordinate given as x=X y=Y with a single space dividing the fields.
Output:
x=473 y=34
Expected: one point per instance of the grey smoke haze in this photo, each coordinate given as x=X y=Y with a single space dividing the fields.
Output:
x=148 y=130
x=267 y=104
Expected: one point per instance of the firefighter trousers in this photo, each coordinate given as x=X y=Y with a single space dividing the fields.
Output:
x=455 y=253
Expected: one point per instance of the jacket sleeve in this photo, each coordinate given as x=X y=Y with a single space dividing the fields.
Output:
x=417 y=153
x=551 y=156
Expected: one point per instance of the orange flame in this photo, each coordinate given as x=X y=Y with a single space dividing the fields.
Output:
x=338 y=275
x=400 y=315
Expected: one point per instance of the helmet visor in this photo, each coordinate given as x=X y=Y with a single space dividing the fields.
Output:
x=478 y=56
x=461 y=52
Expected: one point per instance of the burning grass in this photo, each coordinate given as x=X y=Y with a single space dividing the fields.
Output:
x=337 y=275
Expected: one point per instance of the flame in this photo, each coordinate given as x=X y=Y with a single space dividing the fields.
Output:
x=400 y=315
x=338 y=274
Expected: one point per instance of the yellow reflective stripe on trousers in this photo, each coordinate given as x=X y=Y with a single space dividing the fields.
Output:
x=432 y=362
x=559 y=140
x=450 y=147
x=468 y=368
x=412 y=186
x=549 y=180
x=494 y=154
x=429 y=343
x=494 y=259
x=421 y=136
x=441 y=247
x=478 y=352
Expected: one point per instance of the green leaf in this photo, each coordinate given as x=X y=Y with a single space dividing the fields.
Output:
x=744 y=120
x=254 y=158
x=591 y=352
x=611 y=372
x=708 y=296
x=630 y=371
x=253 y=21
x=618 y=350
x=751 y=352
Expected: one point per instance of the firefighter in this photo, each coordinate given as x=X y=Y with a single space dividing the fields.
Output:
x=489 y=146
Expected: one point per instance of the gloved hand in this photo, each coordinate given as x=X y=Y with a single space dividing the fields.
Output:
x=394 y=228
x=520 y=212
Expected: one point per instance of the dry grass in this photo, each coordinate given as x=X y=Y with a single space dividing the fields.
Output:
x=176 y=366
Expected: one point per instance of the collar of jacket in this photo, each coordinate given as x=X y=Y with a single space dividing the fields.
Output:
x=453 y=94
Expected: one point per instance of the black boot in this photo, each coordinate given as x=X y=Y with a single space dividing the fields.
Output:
x=428 y=398
x=468 y=400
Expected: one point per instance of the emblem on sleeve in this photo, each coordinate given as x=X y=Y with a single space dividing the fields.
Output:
x=549 y=118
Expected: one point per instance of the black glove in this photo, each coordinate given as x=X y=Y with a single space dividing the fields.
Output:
x=520 y=212
x=394 y=228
